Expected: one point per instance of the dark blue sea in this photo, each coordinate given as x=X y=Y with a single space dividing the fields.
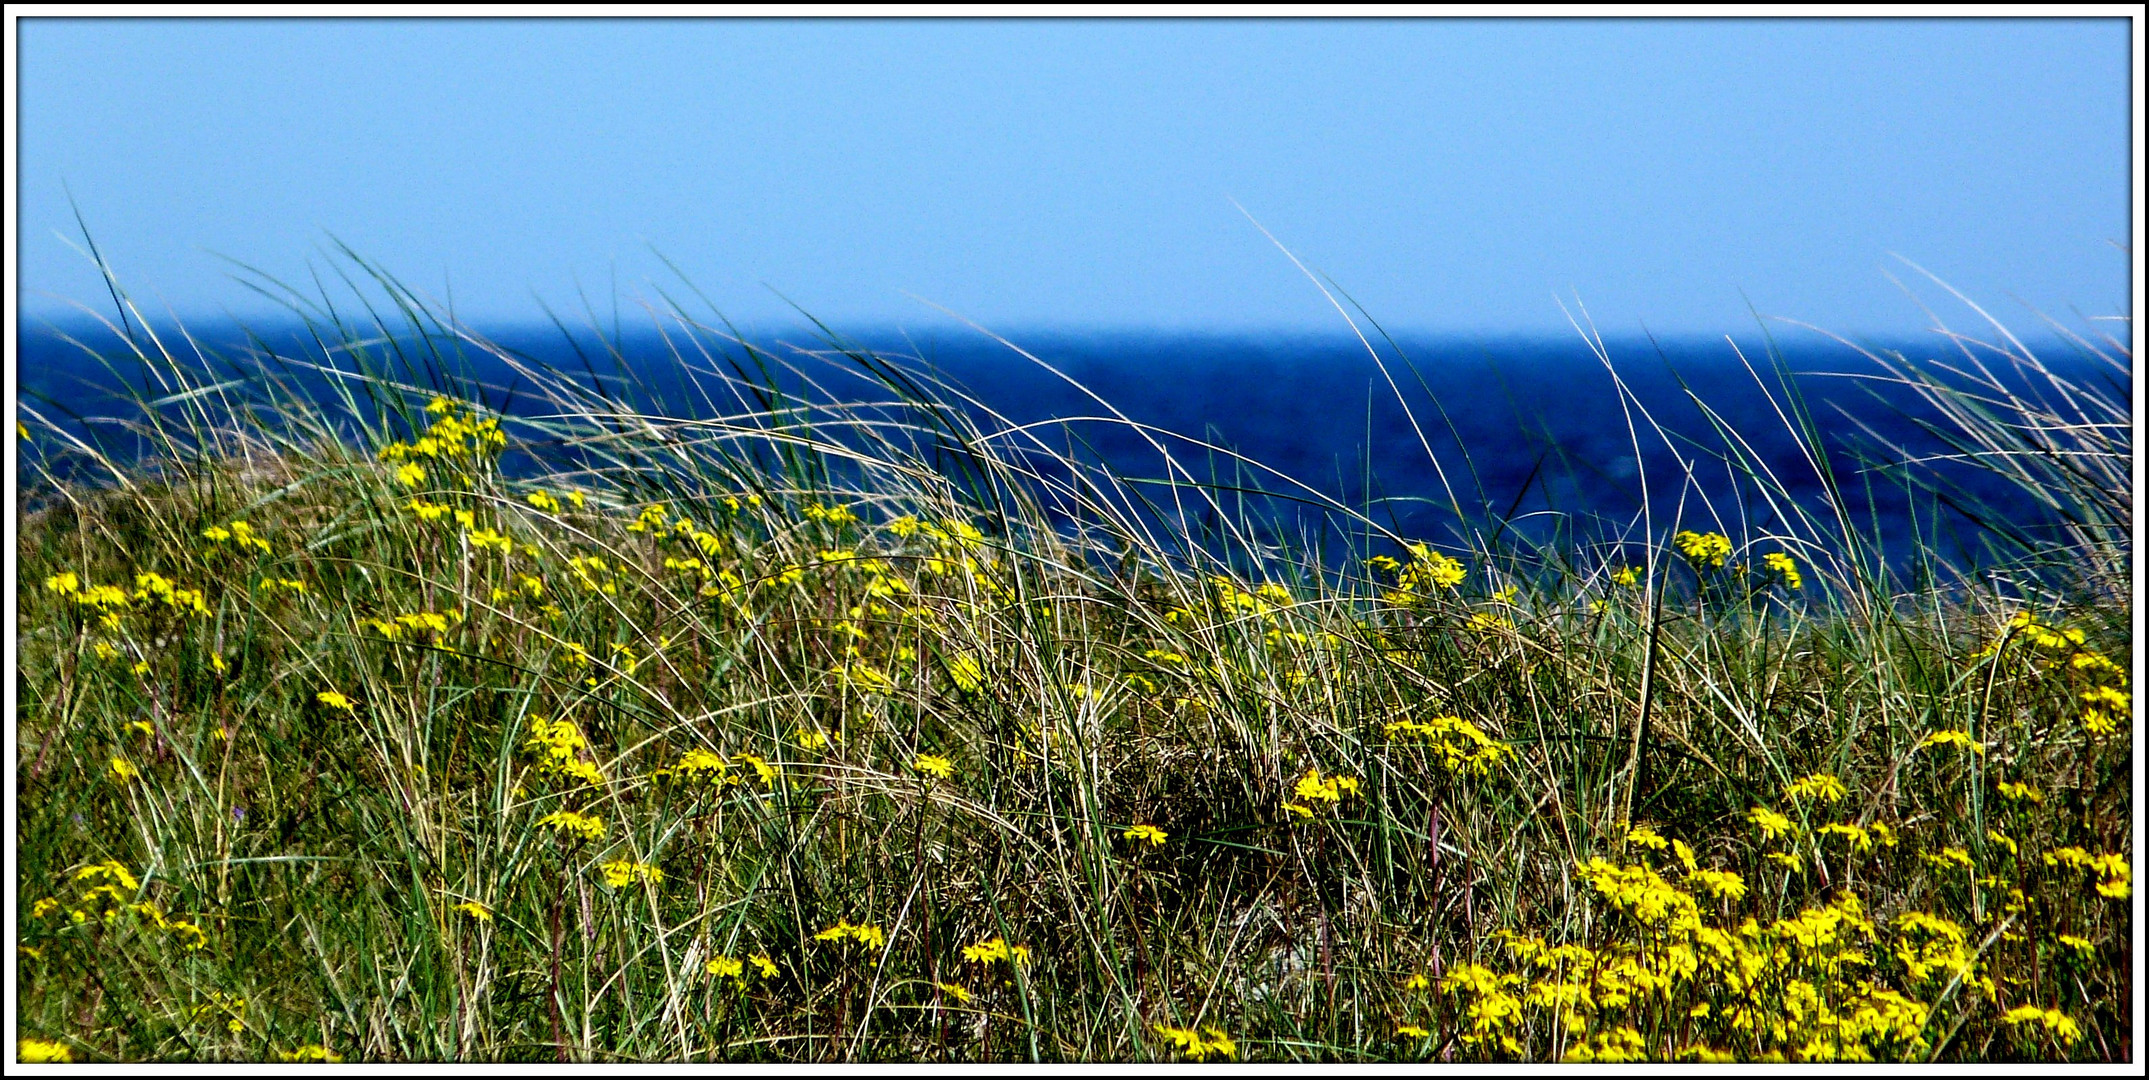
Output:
x=1457 y=440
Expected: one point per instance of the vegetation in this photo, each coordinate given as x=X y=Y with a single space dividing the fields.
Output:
x=361 y=721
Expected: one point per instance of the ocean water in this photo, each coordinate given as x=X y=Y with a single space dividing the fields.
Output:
x=1456 y=440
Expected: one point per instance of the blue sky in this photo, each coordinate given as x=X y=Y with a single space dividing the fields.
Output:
x=1038 y=174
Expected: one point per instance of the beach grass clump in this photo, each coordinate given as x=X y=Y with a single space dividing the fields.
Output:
x=818 y=732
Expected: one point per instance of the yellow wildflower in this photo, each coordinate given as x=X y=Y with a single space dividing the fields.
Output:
x=762 y=769
x=1782 y=566
x=193 y=936
x=312 y=1052
x=966 y=671
x=867 y=934
x=1151 y=833
x=1702 y=549
x=985 y=952
x=697 y=767
x=335 y=700
x=42 y=1052
x=1725 y=884
x=1823 y=787
x=619 y=872
x=1771 y=823
x=1193 y=1044
x=1313 y=788
x=2058 y=1023
x=1953 y=738
x=1854 y=837
x=935 y=765
x=487 y=538
x=568 y=821
x=1647 y=837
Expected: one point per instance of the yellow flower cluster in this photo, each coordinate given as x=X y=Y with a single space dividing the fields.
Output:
x=620 y=872
x=312 y=1053
x=1773 y=825
x=1416 y=580
x=107 y=600
x=2115 y=874
x=1952 y=738
x=108 y=891
x=487 y=539
x=1312 y=787
x=2106 y=701
x=233 y=1009
x=238 y=534
x=762 y=769
x=2107 y=707
x=432 y=511
x=725 y=967
x=559 y=746
x=455 y=434
x=1195 y=1045
x=706 y=768
x=985 y=952
x=2021 y=793
x=868 y=935
x=1783 y=566
x=1790 y=989
x=1616 y=1046
x=568 y=821
x=42 y=1052
x=1820 y=787
x=832 y=515
x=1463 y=748
x=697 y=767
x=1703 y=549
x=594 y=574
x=2058 y=1023
x=159 y=588
x=417 y=622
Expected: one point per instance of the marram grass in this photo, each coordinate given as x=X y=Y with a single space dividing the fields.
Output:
x=742 y=738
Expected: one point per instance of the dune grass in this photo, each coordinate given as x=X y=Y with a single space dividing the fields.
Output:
x=844 y=724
